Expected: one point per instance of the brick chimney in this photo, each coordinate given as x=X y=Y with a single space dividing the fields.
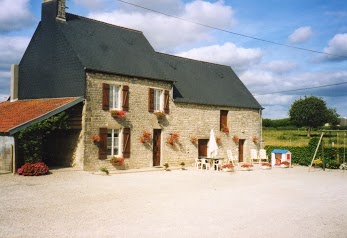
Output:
x=53 y=9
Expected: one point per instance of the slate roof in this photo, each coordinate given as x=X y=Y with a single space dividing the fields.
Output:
x=17 y=115
x=59 y=53
x=206 y=83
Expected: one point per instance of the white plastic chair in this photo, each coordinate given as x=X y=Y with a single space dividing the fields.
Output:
x=263 y=156
x=198 y=163
x=217 y=164
x=231 y=158
x=254 y=156
x=206 y=163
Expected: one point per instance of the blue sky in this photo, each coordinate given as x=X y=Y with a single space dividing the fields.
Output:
x=264 y=68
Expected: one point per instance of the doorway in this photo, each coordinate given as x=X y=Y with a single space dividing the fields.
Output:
x=202 y=147
x=241 y=147
x=156 y=147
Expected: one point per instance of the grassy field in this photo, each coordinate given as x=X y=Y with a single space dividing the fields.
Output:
x=275 y=137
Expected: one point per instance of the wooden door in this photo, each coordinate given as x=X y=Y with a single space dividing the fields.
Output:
x=202 y=147
x=241 y=144
x=156 y=146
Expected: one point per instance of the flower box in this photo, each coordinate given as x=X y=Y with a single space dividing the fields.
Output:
x=285 y=164
x=228 y=168
x=266 y=165
x=173 y=139
x=117 y=161
x=96 y=139
x=246 y=167
x=194 y=139
x=160 y=114
x=118 y=114
x=236 y=139
x=146 y=137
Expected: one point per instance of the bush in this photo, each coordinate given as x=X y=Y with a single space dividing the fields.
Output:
x=35 y=169
x=332 y=164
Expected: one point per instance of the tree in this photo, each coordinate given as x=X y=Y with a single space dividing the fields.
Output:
x=311 y=112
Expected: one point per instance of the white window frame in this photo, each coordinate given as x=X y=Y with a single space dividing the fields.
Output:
x=161 y=100
x=115 y=102
x=112 y=147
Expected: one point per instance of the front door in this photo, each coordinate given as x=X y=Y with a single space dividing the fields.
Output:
x=241 y=144
x=156 y=146
x=202 y=147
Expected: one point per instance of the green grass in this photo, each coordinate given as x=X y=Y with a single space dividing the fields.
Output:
x=273 y=137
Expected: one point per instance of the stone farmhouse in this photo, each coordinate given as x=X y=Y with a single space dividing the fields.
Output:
x=97 y=72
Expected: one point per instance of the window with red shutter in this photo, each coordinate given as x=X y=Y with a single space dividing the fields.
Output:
x=166 y=102
x=223 y=119
x=151 y=100
x=103 y=143
x=125 y=101
x=105 y=96
x=126 y=142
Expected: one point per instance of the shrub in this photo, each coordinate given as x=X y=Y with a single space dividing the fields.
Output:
x=332 y=164
x=35 y=169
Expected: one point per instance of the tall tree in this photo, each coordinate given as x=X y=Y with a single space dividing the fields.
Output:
x=311 y=112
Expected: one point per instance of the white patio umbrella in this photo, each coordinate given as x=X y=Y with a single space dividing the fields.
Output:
x=212 y=147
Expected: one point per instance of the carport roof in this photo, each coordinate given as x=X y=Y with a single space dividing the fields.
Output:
x=17 y=115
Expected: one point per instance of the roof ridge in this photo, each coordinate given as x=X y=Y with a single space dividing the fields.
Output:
x=106 y=23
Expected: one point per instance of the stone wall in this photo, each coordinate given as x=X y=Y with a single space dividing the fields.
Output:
x=187 y=120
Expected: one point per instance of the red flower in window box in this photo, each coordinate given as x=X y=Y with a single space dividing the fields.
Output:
x=255 y=139
x=225 y=129
x=194 y=139
x=118 y=114
x=218 y=140
x=160 y=114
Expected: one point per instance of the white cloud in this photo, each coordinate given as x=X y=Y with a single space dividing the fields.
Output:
x=14 y=15
x=228 y=54
x=165 y=33
x=301 y=34
x=337 y=46
x=280 y=66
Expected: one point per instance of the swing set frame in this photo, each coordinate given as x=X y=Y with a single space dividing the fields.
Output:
x=320 y=142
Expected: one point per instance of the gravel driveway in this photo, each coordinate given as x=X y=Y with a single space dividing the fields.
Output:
x=275 y=203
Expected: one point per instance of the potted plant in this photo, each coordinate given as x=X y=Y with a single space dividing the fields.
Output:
x=247 y=167
x=236 y=139
x=146 y=137
x=182 y=165
x=194 y=139
x=117 y=161
x=265 y=165
x=118 y=114
x=285 y=164
x=173 y=139
x=166 y=165
x=160 y=114
x=228 y=168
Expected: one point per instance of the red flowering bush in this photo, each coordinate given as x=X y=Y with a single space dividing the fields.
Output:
x=117 y=161
x=118 y=114
x=35 y=169
x=285 y=163
x=146 y=137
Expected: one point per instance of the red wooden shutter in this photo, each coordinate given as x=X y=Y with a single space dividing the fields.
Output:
x=125 y=102
x=105 y=96
x=223 y=119
x=126 y=142
x=151 y=100
x=103 y=143
x=166 y=102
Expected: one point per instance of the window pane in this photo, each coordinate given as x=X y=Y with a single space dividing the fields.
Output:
x=157 y=106
x=114 y=96
x=109 y=142
x=113 y=142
